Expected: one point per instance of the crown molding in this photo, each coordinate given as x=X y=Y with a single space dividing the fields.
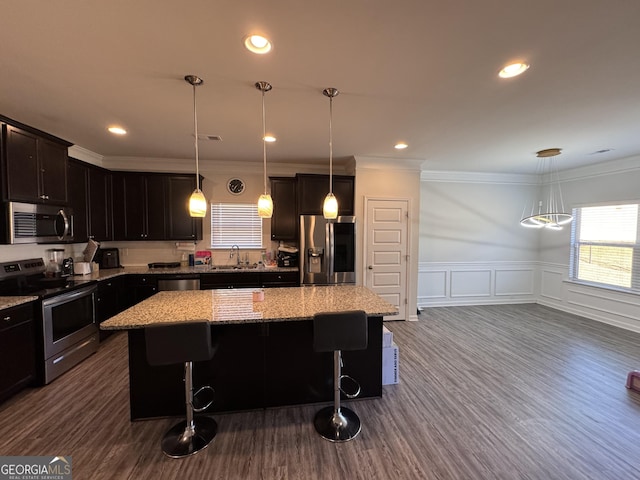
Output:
x=379 y=163
x=85 y=155
x=478 y=177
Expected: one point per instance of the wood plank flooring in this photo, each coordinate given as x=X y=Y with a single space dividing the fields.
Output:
x=487 y=392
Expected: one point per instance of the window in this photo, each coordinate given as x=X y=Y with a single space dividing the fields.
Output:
x=604 y=246
x=235 y=224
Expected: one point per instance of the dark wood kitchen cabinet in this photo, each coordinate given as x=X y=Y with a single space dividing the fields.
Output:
x=100 y=219
x=138 y=288
x=312 y=189
x=90 y=199
x=79 y=199
x=153 y=206
x=138 y=207
x=284 y=221
x=34 y=165
x=279 y=279
x=109 y=301
x=212 y=281
x=17 y=349
x=180 y=225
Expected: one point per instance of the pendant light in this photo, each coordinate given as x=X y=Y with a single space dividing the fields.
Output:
x=197 y=202
x=550 y=212
x=265 y=204
x=330 y=207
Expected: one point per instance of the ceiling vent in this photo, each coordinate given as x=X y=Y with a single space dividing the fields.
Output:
x=213 y=138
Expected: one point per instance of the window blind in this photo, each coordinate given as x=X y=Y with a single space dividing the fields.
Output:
x=604 y=246
x=235 y=224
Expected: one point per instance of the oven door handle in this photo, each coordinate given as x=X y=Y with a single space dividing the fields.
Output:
x=66 y=297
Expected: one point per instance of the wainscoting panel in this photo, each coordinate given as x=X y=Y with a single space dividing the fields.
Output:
x=514 y=282
x=448 y=284
x=432 y=285
x=470 y=283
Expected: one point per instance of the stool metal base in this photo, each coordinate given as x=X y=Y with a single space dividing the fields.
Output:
x=181 y=441
x=337 y=426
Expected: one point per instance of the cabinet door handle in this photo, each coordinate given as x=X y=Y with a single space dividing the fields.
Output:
x=7 y=318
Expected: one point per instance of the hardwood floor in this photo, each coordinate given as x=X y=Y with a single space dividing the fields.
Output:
x=490 y=392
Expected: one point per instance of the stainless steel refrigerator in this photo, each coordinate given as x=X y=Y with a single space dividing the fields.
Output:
x=327 y=250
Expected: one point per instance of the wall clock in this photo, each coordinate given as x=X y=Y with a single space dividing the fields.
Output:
x=235 y=186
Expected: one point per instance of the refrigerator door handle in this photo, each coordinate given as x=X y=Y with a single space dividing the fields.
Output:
x=330 y=247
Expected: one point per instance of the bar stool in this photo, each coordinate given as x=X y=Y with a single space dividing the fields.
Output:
x=186 y=343
x=335 y=332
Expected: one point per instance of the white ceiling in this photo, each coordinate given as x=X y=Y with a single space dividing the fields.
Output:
x=420 y=71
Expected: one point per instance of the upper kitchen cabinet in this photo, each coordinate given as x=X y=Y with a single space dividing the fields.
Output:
x=79 y=199
x=100 y=218
x=284 y=221
x=90 y=199
x=312 y=189
x=180 y=225
x=153 y=206
x=34 y=165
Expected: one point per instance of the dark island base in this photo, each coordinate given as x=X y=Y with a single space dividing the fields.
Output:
x=256 y=365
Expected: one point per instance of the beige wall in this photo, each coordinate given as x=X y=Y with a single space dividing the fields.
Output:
x=378 y=178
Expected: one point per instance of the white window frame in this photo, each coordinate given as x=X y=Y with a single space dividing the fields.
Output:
x=235 y=224
x=576 y=243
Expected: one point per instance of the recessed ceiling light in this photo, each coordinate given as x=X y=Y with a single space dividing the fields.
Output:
x=257 y=44
x=269 y=138
x=117 y=130
x=400 y=146
x=513 y=70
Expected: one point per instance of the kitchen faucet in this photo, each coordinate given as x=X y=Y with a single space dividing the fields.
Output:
x=237 y=253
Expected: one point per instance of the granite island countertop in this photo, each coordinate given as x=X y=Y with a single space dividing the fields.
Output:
x=228 y=306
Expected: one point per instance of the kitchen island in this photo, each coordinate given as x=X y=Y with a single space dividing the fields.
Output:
x=264 y=351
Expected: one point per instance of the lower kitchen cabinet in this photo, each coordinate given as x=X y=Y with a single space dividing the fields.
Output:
x=109 y=301
x=17 y=349
x=139 y=288
x=211 y=281
x=280 y=279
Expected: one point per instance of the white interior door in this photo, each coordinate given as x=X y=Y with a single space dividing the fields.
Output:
x=386 y=251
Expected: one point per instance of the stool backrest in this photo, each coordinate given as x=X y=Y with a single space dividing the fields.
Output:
x=340 y=331
x=178 y=343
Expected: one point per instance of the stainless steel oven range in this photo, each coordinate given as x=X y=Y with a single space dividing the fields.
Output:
x=66 y=329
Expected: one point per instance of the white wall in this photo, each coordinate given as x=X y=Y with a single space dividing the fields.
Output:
x=607 y=182
x=473 y=250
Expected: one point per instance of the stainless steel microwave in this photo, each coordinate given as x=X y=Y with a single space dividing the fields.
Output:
x=34 y=223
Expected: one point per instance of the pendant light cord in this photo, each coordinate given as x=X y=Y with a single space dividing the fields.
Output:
x=264 y=144
x=330 y=144
x=195 y=128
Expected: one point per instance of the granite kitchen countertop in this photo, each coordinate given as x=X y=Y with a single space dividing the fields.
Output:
x=8 y=302
x=106 y=273
x=228 y=306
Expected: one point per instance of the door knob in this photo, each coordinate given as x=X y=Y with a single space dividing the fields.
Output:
x=370 y=267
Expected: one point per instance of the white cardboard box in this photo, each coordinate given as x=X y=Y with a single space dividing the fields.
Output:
x=390 y=365
x=387 y=337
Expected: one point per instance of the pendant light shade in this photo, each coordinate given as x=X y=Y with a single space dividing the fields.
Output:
x=265 y=203
x=547 y=211
x=197 y=201
x=330 y=206
x=197 y=204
